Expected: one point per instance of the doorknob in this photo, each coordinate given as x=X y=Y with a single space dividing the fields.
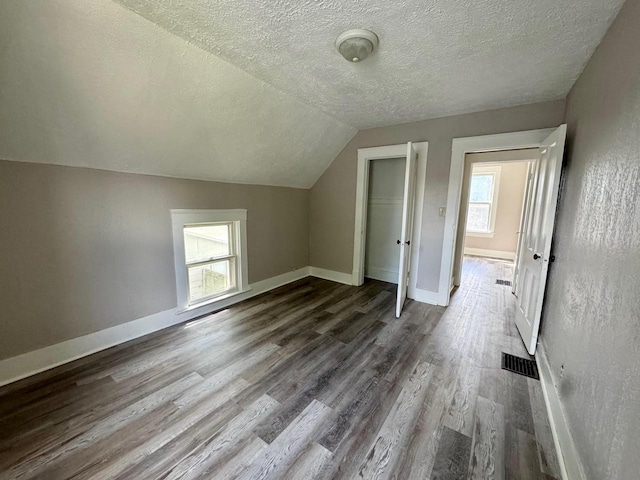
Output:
x=408 y=242
x=398 y=242
x=536 y=256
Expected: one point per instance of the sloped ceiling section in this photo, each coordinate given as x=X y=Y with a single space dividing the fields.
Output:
x=436 y=57
x=92 y=84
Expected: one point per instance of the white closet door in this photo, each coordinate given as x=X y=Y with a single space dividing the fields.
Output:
x=408 y=203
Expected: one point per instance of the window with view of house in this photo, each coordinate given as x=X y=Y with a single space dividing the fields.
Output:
x=483 y=199
x=209 y=248
x=210 y=253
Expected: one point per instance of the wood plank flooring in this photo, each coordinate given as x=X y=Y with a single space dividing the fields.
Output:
x=312 y=380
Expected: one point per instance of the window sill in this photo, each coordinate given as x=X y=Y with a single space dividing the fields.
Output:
x=481 y=234
x=213 y=301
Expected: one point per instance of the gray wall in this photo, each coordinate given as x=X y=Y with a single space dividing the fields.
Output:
x=333 y=195
x=84 y=250
x=591 y=322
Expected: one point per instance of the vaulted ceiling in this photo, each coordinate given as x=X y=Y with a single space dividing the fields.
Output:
x=91 y=84
x=436 y=57
x=253 y=91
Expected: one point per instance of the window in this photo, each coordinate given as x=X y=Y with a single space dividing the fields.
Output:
x=210 y=254
x=483 y=199
x=210 y=259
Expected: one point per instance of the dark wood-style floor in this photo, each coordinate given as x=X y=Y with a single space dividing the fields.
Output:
x=313 y=380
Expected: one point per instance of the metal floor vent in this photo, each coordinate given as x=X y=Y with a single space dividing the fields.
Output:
x=504 y=282
x=521 y=366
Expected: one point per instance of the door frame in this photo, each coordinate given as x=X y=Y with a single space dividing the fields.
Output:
x=365 y=156
x=459 y=149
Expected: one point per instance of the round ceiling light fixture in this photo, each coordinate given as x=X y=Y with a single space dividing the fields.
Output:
x=357 y=44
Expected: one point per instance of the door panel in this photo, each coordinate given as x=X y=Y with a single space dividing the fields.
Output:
x=523 y=219
x=408 y=204
x=533 y=263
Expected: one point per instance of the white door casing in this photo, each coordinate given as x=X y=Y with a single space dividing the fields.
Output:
x=406 y=233
x=459 y=148
x=536 y=237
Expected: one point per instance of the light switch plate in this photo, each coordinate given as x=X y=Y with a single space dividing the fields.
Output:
x=442 y=211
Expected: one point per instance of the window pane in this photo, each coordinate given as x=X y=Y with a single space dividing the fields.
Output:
x=203 y=242
x=478 y=217
x=210 y=279
x=481 y=188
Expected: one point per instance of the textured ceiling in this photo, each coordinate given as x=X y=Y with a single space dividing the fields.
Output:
x=91 y=84
x=436 y=57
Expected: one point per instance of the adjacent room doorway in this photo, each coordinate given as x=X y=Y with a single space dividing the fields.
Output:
x=494 y=188
x=534 y=246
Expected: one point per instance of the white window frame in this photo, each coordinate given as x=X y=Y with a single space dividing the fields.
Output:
x=238 y=221
x=495 y=171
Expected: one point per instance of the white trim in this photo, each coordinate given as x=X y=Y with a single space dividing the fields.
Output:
x=460 y=147
x=422 y=149
x=385 y=201
x=195 y=215
x=480 y=234
x=31 y=363
x=481 y=252
x=331 y=275
x=216 y=302
x=381 y=274
x=365 y=155
x=570 y=464
x=423 y=296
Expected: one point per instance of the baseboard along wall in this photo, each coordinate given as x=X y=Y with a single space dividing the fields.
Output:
x=481 y=252
x=423 y=296
x=381 y=274
x=332 y=275
x=31 y=363
x=570 y=464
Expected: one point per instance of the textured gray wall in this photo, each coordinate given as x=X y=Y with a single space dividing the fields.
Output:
x=333 y=195
x=84 y=250
x=591 y=323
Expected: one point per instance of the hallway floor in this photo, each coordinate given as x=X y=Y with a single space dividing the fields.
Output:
x=312 y=380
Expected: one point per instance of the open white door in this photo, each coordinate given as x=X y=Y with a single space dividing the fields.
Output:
x=523 y=218
x=408 y=203
x=535 y=251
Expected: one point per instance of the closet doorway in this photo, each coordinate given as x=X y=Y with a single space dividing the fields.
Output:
x=384 y=219
x=378 y=187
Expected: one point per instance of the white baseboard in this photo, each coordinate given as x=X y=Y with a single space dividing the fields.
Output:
x=423 y=296
x=481 y=252
x=31 y=363
x=381 y=274
x=570 y=465
x=332 y=275
x=278 y=281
